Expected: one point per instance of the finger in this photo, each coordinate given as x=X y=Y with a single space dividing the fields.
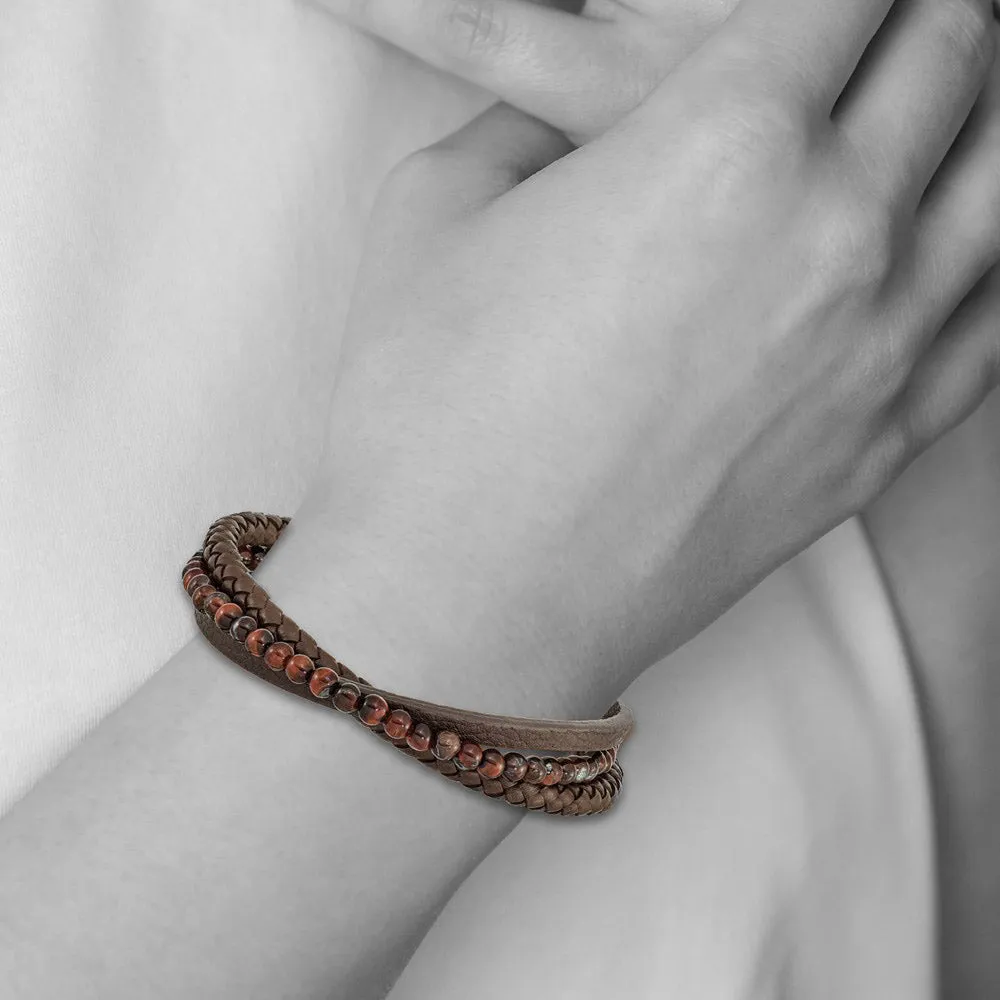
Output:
x=915 y=88
x=543 y=60
x=957 y=372
x=958 y=222
x=464 y=171
x=804 y=50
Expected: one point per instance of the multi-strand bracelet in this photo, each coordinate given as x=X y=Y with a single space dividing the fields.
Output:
x=566 y=768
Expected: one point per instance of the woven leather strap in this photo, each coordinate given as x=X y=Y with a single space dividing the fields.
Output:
x=229 y=602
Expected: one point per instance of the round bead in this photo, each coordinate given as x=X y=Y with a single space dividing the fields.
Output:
x=193 y=564
x=535 y=771
x=242 y=627
x=226 y=614
x=446 y=745
x=419 y=737
x=215 y=601
x=373 y=709
x=258 y=641
x=347 y=696
x=246 y=553
x=322 y=681
x=492 y=764
x=201 y=595
x=193 y=579
x=398 y=724
x=298 y=668
x=553 y=773
x=277 y=655
x=515 y=767
x=469 y=756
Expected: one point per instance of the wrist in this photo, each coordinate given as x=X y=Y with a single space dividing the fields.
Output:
x=427 y=630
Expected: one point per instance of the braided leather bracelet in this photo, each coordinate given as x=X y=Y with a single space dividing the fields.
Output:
x=500 y=756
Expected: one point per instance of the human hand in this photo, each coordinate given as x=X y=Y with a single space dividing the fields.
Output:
x=578 y=72
x=578 y=416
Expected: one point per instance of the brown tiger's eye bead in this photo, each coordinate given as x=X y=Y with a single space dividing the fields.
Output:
x=419 y=737
x=373 y=709
x=322 y=681
x=492 y=764
x=215 y=601
x=515 y=767
x=226 y=614
x=201 y=595
x=469 y=756
x=277 y=655
x=347 y=696
x=193 y=579
x=398 y=724
x=446 y=745
x=258 y=641
x=298 y=668
x=553 y=773
x=242 y=627
x=194 y=562
x=535 y=771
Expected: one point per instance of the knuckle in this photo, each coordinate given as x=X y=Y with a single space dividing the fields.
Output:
x=855 y=242
x=890 y=365
x=892 y=449
x=896 y=447
x=968 y=29
x=473 y=29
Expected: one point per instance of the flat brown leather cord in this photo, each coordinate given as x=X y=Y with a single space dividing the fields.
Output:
x=590 y=778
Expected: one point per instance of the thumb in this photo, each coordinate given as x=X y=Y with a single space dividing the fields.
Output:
x=465 y=171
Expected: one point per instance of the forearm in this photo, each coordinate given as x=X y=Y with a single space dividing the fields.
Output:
x=216 y=837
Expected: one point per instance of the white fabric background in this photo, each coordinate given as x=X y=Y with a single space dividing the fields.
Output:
x=182 y=194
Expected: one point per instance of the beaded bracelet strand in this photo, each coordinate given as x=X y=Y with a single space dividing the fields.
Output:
x=501 y=756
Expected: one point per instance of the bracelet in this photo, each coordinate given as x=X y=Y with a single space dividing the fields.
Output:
x=504 y=757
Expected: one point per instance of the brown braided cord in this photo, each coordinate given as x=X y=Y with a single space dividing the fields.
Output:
x=229 y=573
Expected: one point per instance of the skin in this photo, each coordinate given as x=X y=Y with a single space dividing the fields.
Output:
x=581 y=74
x=878 y=352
